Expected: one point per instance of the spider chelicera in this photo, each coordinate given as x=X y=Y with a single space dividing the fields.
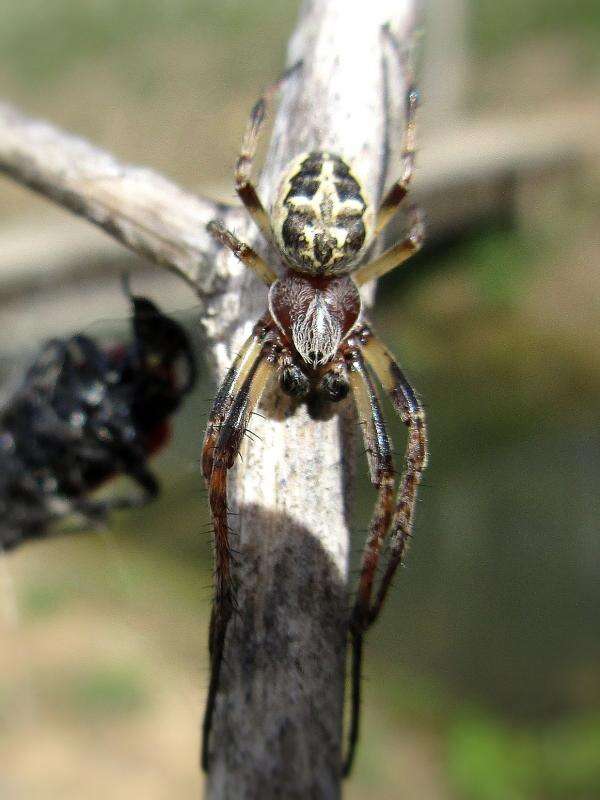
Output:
x=315 y=340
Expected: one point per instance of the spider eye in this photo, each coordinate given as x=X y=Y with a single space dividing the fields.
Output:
x=334 y=386
x=294 y=382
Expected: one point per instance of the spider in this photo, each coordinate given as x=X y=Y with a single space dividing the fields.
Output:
x=315 y=340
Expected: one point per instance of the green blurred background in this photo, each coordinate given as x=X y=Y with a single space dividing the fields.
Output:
x=483 y=677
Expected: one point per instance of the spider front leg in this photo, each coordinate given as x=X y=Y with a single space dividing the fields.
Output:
x=381 y=468
x=385 y=518
x=412 y=415
x=222 y=445
x=235 y=377
x=243 y=169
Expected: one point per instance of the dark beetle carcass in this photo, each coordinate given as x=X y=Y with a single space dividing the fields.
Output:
x=85 y=413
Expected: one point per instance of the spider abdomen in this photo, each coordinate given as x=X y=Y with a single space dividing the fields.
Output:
x=322 y=219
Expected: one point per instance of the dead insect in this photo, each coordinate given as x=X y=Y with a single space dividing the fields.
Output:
x=84 y=414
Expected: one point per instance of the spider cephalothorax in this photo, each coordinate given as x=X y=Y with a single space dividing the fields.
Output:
x=314 y=314
x=314 y=340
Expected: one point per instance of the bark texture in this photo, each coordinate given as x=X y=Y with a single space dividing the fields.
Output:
x=138 y=207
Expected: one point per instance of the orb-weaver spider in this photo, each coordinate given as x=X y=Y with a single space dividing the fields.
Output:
x=315 y=340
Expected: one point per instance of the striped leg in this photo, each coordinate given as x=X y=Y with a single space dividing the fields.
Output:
x=236 y=375
x=243 y=170
x=396 y=255
x=412 y=415
x=381 y=468
x=244 y=252
x=399 y=189
x=387 y=519
x=221 y=448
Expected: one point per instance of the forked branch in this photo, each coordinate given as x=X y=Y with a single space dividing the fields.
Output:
x=138 y=207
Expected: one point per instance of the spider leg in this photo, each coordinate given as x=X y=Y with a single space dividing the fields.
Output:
x=243 y=169
x=230 y=435
x=381 y=467
x=396 y=255
x=398 y=191
x=235 y=377
x=244 y=252
x=397 y=520
x=412 y=415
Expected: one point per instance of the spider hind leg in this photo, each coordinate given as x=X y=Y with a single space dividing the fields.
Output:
x=399 y=189
x=243 y=170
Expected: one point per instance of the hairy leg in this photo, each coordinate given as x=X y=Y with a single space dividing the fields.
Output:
x=396 y=255
x=235 y=377
x=244 y=252
x=243 y=170
x=230 y=434
x=381 y=467
x=412 y=415
x=399 y=189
